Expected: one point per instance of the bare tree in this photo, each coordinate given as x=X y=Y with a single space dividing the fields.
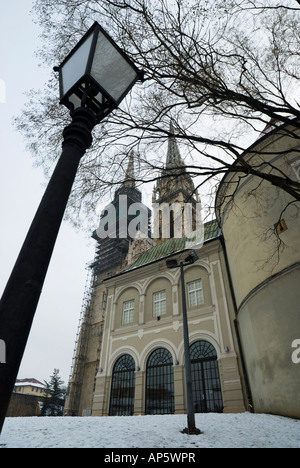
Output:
x=222 y=70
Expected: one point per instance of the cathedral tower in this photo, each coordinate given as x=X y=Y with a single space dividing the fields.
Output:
x=172 y=193
x=113 y=235
x=113 y=244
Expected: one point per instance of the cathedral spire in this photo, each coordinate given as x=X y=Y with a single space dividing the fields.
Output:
x=173 y=155
x=174 y=188
x=128 y=186
x=130 y=175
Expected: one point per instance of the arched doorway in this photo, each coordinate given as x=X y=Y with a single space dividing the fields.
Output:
x=123 y=387
x=207 y=391
x=160 y=383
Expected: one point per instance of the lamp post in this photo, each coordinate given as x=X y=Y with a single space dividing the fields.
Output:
x=94 y=79
x=191 y=429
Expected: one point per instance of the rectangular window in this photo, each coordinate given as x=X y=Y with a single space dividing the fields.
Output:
x=159 y=304
x=195 y=292
x=128 y=312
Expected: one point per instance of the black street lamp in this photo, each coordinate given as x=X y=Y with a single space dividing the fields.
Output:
x=94 y=79
x=191 y=429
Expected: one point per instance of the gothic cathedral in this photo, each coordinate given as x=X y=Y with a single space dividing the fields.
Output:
x=242 y=317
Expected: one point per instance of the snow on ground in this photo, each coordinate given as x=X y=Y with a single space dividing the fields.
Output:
x=220 y=430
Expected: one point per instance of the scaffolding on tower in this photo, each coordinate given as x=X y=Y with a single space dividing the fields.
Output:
x=81 y=347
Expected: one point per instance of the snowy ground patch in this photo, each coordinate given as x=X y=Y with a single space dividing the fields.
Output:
x=220 y=430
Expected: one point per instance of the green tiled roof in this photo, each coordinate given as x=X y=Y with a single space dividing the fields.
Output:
x=211 y=231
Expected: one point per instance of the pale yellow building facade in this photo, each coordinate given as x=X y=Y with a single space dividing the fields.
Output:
x=211 y=315
x=30 y=387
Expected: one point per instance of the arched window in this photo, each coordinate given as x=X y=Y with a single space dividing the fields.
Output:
x=207 y=391
x=123 y=387
x=160 y=383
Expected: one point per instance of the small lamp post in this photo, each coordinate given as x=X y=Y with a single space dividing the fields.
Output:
x=94 y=79
x=191 y=429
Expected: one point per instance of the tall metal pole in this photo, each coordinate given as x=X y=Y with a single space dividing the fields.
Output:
x=191 y=429
x=21 y=296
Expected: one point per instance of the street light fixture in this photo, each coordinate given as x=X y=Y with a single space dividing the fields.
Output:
x=96 y=74
x=191 y=429
x=94 y=79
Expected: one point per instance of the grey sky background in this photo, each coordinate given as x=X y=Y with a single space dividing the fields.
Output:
x=52 y=338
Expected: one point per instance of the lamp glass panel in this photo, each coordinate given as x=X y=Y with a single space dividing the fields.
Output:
x=75 y=101
x=110 y=69
x=75 y=67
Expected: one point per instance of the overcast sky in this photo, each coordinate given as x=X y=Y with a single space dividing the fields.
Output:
x=51 y=341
